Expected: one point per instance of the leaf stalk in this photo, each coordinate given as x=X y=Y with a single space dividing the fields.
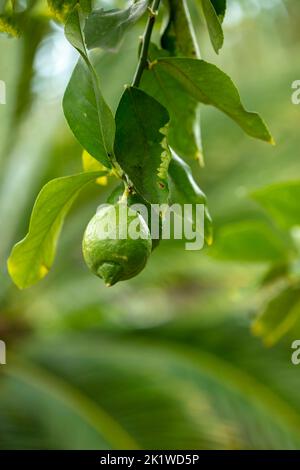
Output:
x=143 y=59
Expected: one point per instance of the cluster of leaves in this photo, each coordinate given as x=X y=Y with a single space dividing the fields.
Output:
x=272 y=240
x=156 y=126
x=13 y=15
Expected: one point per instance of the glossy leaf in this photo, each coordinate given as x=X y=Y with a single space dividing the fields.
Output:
x=249 y=241
x=213 y=25
x=86 y=111
x=184 y=132
x=281 y=201
x=32 y=257
x=209 y=85
x=279 y=316
x=106 y=29
x=185 y=190
x=141 y=147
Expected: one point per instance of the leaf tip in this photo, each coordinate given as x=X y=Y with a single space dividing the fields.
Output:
x=199 y=157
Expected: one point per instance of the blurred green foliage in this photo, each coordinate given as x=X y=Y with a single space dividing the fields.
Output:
x=168 y=359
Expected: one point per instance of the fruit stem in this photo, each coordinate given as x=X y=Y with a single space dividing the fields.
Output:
x=143 y=59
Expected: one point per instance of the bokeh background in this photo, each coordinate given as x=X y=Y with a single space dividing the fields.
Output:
x=167 y=360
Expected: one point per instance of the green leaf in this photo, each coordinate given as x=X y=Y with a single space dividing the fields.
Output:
x=220 y=8
x=185 y=190
x=86 y=111
x=281 y=201
x=213 y=25
x=61 y=8
x=11 y=24
x=178 y=39
x=178 y=36
x=209 y=85
x=32 y=257
x=184 y=132
x=279 y=316
x=141 y=148
x=250 y=241
x=106 y=29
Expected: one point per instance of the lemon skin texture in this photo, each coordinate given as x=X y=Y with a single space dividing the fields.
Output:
x=116 y=257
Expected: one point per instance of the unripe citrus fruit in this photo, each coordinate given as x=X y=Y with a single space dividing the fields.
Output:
x=136 y=199
x=117 y=243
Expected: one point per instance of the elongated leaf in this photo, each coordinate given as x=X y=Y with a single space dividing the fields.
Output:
x=106 y=29
x=209 y=85
x=279 y=316
x=178 y=40
x=281 y=201
x=141 y=147
x=250 y=241
x=86 y=111
x=213 y=25
x=185 y=190
x=220 y=8
x=184 y=132
x=178 y=37
x=31 y=258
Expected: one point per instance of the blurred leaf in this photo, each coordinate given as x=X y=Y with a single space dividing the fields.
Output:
x=89 y=163
x=62 y=8
x=281 y=201
x=275 y=272
x=67 y=399
x=213 y=25
x=220 y=8
x=86 y=111
x=279 y=316
x=34 y=32
x=11 y=24
x=184 y=133
x=106 y=29
x=209 y=85
x=178 y=37
x=184 y=190
x=141 y=148
x=13 y=16
x=3 y=4
x=31 y=258
x=208 y=389
x=249 y=241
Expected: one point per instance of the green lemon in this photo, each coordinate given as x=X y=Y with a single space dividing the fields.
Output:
x=117 y=243
x=133 y=199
